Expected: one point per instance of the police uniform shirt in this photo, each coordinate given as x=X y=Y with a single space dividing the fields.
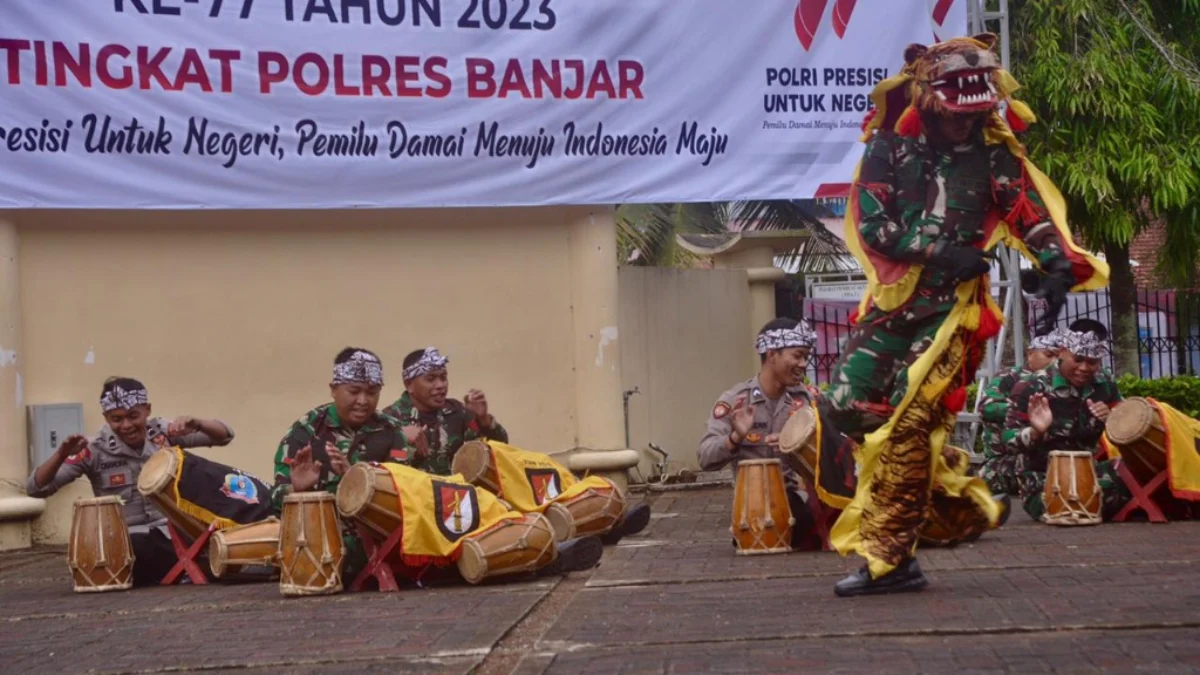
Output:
x=113 y=469
x=769 y=418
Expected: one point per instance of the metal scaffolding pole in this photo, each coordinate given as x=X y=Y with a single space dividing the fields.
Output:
x=992 y=15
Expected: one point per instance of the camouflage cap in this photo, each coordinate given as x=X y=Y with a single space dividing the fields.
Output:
x=1085 y=345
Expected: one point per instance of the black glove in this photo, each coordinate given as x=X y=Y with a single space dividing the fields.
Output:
x=1054 y=289
x=960 y=262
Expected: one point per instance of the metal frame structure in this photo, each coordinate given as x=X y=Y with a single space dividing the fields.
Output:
x=985 y=15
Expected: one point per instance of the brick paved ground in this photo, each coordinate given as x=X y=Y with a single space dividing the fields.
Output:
x=1025 y=599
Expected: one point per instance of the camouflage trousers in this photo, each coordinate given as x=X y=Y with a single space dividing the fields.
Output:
x=1114 y=494
x=999 y=470
x=871 y=377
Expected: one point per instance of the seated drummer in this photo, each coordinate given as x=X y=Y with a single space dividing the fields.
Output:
x=1063 y=407
x=443 y=425
x=999 y=468
x=112 y=460
x=321 y=446
x=435 y=423
x=746 y=420
x=326 y=440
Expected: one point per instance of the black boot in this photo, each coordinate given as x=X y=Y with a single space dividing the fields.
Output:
x=906 y=577
x=1006 y=506
x=575 y=555
x=636 y=519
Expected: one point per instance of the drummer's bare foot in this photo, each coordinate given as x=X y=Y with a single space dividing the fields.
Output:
x=575 y=555
x=636 y=520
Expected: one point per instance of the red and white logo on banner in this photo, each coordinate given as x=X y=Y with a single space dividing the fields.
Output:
x=809 y=13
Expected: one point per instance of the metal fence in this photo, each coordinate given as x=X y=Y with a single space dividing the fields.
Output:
x=1168 y=323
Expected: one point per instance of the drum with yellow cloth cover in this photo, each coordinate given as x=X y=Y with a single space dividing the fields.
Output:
x=442 y=519
x=99 y=552
x=1136 y=428
x=532 y=482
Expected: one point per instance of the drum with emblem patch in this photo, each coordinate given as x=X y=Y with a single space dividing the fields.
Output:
x=509 y=547
x=798 y=442
x=367 y=494
x=474 y=461
x=193 y=492
x=1136 y=428
x=256 y=544
x=99 y=552
x=593 y=512
x=762 y=519
x=1072 y=494
x=310 y=545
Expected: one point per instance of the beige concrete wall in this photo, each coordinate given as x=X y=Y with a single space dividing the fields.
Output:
x=683 y=342
x=238 y=315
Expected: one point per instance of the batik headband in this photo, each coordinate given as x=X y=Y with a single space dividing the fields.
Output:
x=360 y=368
x=430 y=361
x=782 y=338
x=1086 y=345
x=118 y=398
x=1051 y=340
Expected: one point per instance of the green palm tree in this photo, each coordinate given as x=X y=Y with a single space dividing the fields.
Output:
x=646 y=233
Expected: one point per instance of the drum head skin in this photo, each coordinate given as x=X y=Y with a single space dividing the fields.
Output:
x=471 y=461
x=797 y=430
x=1129 y=421
x=355 y=491
x=157 y=472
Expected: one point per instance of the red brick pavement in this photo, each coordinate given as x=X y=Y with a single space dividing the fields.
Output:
x=1160 y=652
x=1028 y=598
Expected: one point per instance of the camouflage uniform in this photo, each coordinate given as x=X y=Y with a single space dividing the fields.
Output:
x=999 y=468
x=445 y=430
x=379 y=440
x=1074 y=428
x=912 y=196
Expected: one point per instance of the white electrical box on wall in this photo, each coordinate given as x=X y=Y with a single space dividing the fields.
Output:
x=49 y=426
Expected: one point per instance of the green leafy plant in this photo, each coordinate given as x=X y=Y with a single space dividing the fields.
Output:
x=1181 y=393
x=1116 y=87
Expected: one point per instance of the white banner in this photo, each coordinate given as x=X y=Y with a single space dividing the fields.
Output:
x=408 y=103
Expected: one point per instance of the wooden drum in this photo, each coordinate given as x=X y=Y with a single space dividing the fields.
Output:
x=99 y=552
x=508 y=547
x=594 y=512
x=1136 y=428
x=798 y=442
x=1072 y=494
x=256 y=544
x=155 y=482
x=310 y=545
x=762 y=519
x=475 y=463
x=367 y=494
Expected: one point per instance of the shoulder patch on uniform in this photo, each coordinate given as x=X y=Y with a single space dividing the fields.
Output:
x=720 y=410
